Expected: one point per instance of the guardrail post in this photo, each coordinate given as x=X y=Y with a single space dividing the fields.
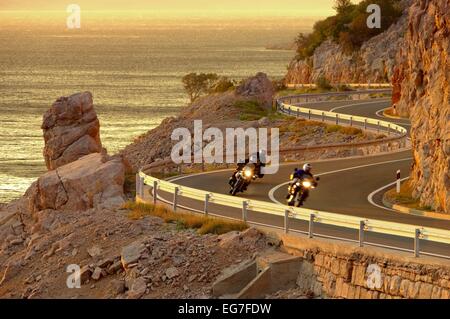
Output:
x=417 y=243
x=286 y=221
x=389 y=129
x=289 y=110
x=337 y=119
x=378 y=129
x=351 y=120
x=309 y=114
x=323 y=116
x=205 y=210
x=155 y=192
x=244 y=210
x=311 y=226
x=175 y=199
x=141 y=187
x=365 y=124
x=298 y=112
x=362 y=225
x=138 y=182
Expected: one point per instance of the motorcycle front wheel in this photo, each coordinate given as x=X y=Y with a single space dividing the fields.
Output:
x=236 y=187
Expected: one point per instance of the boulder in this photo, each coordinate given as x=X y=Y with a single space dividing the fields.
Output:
x=71 y=130
x=258 y=87
x=95 y=180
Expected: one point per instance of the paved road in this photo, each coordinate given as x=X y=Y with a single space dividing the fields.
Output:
x=344 y=188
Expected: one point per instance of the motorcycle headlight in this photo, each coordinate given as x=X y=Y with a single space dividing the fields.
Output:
x=248 y=173
x=307 y=184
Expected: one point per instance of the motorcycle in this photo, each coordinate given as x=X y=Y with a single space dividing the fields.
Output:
x=243 y=178
x=298 y=190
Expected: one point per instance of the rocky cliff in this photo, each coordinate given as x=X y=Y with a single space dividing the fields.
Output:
x=71 y=130
x=422 y=87
x=374 y=62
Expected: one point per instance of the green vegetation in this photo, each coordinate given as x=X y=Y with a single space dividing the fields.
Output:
x=199 y=84
x=203 y=225
x=297 y=125
x=405 y=197
x=348 y=27
x=252 y=110
x=347 y=130
x=323 y=84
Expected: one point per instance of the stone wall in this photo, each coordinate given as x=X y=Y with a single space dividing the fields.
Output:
x=344 y=271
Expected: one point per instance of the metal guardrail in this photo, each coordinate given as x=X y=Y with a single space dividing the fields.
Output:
x=311 y=216
x=351 y=85
x=294 y=110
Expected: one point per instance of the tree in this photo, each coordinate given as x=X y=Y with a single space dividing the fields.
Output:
x=198 y=84
x=342 y=5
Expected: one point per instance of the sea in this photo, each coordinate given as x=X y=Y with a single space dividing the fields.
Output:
x=132 y=66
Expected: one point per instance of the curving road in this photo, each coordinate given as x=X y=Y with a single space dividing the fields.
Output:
x=345 y=187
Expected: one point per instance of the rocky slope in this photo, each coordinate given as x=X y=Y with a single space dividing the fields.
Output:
x=73 y=215
x=422 y=84
x=226 y=110
x=374 y=62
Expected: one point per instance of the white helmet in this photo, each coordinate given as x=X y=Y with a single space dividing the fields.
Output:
x=253 y=158
x=307 y=167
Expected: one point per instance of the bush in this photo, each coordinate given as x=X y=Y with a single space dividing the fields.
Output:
x=348 y=130
x=223 y=84
x=323 y=84
x=333 y=128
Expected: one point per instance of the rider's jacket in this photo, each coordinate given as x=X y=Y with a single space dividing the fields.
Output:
x=301 y=174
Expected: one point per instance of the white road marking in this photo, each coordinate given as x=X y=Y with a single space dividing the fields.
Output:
x=356 y=104
x=371 y=195
x=274 y=189
x=378 y=113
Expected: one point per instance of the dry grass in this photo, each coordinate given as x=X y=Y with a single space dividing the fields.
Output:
x=204 y=225
x=405 y=197
x=347 y=130
x=298 y=125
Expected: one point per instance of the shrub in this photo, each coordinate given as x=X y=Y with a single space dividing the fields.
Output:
x=223 y=84
x=348 y=130
x=333 y=128
x=323 y=84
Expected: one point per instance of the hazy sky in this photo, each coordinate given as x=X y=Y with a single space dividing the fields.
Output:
x=307 y=8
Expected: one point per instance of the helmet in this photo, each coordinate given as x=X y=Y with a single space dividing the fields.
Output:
x=262 y=156
x=253 y=158
x=307 y=167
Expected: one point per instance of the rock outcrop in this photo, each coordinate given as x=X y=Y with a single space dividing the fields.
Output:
x=71 y=130
x=94 y=180
x=424 y=92
x=374 y=62
x=257 y=87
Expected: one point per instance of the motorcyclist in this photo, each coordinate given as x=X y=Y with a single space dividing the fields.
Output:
x=257 y=158
x=300 y=174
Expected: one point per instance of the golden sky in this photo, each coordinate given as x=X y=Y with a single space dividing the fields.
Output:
x=207 y=8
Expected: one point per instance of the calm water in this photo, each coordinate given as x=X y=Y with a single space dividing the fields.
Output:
x=134 y=74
